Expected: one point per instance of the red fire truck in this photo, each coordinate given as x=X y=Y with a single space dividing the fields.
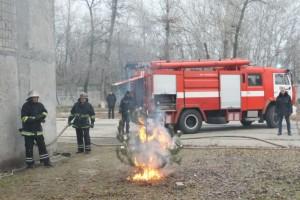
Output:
x=216 y=92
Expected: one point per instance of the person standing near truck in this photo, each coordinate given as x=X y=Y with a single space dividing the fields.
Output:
x=111 y=102
x=126 y=106
x=284 y=109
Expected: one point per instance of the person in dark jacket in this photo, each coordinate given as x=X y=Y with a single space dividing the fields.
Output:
x=33 y=114
x=111 y=102
x=82 y=118
x=125 y=109
x=284 y=109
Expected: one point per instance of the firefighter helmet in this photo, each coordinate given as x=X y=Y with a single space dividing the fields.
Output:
x=84 y=95
x=33 y=93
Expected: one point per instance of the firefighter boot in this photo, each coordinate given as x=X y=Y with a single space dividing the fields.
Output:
x=30 y=165
x=47 y=163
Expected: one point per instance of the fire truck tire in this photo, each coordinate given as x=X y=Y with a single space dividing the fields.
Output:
x=271 y=117
x=246 y=123
x=190 y=121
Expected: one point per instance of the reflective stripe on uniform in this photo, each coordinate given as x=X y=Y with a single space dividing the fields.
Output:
x=24 y=119
x=44 y=113
x=29 y=160
x=44 y=156
x=26 y=133
x=93 y=117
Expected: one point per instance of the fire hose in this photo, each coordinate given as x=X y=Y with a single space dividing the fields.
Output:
x=23 y=168
x=195 y=138
x=60 y=134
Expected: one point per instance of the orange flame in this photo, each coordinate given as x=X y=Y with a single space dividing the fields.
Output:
x=148 y=174
x=146 y=168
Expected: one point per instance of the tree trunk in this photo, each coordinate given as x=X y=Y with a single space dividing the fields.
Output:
x=91 y=52
x=206 y=51
x=67 y=42
x=238 y=29
x=167 y=29
x=107 y=55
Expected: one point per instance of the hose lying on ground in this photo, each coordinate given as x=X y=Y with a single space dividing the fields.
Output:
x=235 y=136
x=197 y=138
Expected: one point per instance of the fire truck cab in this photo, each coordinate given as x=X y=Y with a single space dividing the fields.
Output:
x=216 y=92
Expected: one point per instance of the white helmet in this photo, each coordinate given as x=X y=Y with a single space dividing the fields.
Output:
x=84 y=95
x=33 y=93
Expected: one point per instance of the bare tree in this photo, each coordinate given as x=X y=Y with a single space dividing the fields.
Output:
x=239 y=26
x=169 y=18
x=107 y=80
x=91 y=4
x=265 y=33
x=67 y=38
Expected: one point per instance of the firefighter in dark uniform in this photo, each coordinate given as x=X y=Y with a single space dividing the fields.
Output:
x=83 y=117
x=126 y=106
x=284 y=109
x=33 y=114
x=111 y=102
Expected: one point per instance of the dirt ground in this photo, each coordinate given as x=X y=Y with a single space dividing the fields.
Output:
x=206 y=174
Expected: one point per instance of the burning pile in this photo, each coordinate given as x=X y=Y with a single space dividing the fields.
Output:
x=149 y=151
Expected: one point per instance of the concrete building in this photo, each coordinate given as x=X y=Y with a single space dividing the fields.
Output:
x=27 y=61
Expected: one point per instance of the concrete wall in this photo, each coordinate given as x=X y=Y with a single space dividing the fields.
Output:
x=29 y=64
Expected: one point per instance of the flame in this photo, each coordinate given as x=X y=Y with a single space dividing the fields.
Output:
x=148 y=163
x=148 y=174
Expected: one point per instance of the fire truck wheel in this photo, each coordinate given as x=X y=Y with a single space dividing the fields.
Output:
x=246 y=123
x=271 y=117
x=190 y=121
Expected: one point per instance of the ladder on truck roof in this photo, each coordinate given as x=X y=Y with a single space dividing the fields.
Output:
x=232 y=63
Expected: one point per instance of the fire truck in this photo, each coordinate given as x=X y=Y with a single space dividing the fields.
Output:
x=211 y=91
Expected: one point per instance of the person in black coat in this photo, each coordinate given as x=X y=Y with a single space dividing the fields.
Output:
x=284 y=109
x=34 y=113
x=126 y=105
x=111 y=102
x=82 y=119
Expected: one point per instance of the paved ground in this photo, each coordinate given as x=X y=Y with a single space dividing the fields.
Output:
x=105 y=131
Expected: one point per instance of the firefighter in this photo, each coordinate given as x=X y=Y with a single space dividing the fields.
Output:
x=111 y=102
x=33 y=113
x=284 y=109
x=82 y=118
x=126 y=105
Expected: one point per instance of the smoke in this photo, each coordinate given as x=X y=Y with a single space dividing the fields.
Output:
x=151 y=149
x=153 y=145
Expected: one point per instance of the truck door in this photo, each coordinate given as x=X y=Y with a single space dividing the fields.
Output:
x=282 y=80
x=230 y=90
x=254 y=92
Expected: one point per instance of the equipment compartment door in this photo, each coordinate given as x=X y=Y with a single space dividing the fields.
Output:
x=230 y=91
